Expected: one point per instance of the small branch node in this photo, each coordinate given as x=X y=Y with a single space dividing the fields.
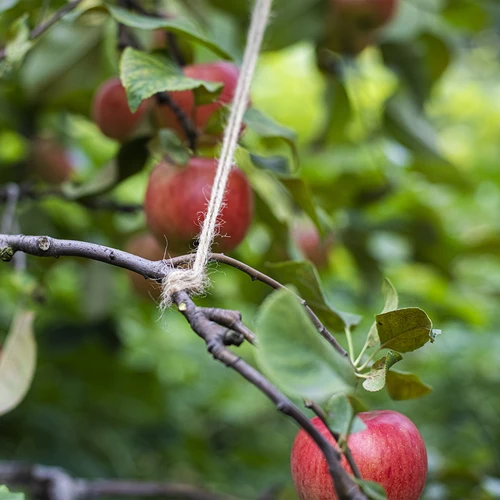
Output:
x=43 y=243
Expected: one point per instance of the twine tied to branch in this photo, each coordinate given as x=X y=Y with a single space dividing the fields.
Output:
x=193 y=279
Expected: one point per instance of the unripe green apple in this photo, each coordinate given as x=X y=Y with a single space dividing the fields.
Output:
x=221 y=71
x=50 y=161
x=389 y=451
x=177 y=198
x=146 y=246
x=111 y=112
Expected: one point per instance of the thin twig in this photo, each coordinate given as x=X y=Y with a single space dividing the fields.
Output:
x=43 y=27
x=164 y=99
x=345 y=450
x=213 y=335
x=53 y=483
x=149 y=269
x=29 y=191
x=264 y=278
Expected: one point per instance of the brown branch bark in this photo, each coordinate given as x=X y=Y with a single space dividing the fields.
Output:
x=211 y=325
x=27 y=191
x=213 y=335
x=43 y=27
x=53 y=483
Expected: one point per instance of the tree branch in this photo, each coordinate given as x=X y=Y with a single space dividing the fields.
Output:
x=43 y=27
x=149 y=269
x=214 y=336
x=53 y=483
x=215 y=326
x=28 y=191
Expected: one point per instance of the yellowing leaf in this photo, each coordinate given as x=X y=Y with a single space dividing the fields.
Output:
x=17 y=361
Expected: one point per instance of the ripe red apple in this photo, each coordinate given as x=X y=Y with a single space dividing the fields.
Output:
x=308 y=240
x=146 y=246
x=389 y=451
x=222 y=71
x=177 y=198
x=353 y=23
x=365 y=15
x=111 y=112
x=50 y=161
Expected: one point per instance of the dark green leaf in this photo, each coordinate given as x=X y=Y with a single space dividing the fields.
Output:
x=266 y=127
x=403 y=330
x=301 y=194
x=144 y=75
x=304 y=277
x=391 y=303
x=17 y=361
x=341 y=416
x=374 y=491
x=171 y=145
x=178 y=25
x=404 y=385
x=406 y=123
x=294 y=355
x=104 y=180
x=377 y=374
x=132 y=157
x=277 y=164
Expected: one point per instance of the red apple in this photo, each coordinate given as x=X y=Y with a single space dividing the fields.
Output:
x=224 y=72
x=145 y=245
x=50 y=161
x=389 y=451
x=111 y=112
x=353 y=23
x=365 y=15
x=308 y=240
x=177 y=198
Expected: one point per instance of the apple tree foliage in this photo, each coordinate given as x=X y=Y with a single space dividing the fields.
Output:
x=394 y=152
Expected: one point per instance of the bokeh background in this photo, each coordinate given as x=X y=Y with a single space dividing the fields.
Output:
x=400 y=149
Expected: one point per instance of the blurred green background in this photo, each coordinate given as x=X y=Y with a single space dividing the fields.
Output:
x=400 y=150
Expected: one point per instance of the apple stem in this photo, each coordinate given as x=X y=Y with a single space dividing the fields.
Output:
x=361 y=354
x=370 y=358
x=350 y=345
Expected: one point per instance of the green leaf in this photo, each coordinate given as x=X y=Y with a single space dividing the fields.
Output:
x=341 y=417
x=132 y=157
x=267 y=128
x=294 y=355
x=404 y=330
x=301 y=194
x=304 y=276
x=19 y=41
x=7 y=4
x=177 y=25
x=17 y=361
x=171 y=145
x=404 y=385
x=406 y=123
x=377 y=374
x=277 y=164
x=5 y=494
x=391 y=303
x=373 y=490
x=104 y=180
x=144 y=75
